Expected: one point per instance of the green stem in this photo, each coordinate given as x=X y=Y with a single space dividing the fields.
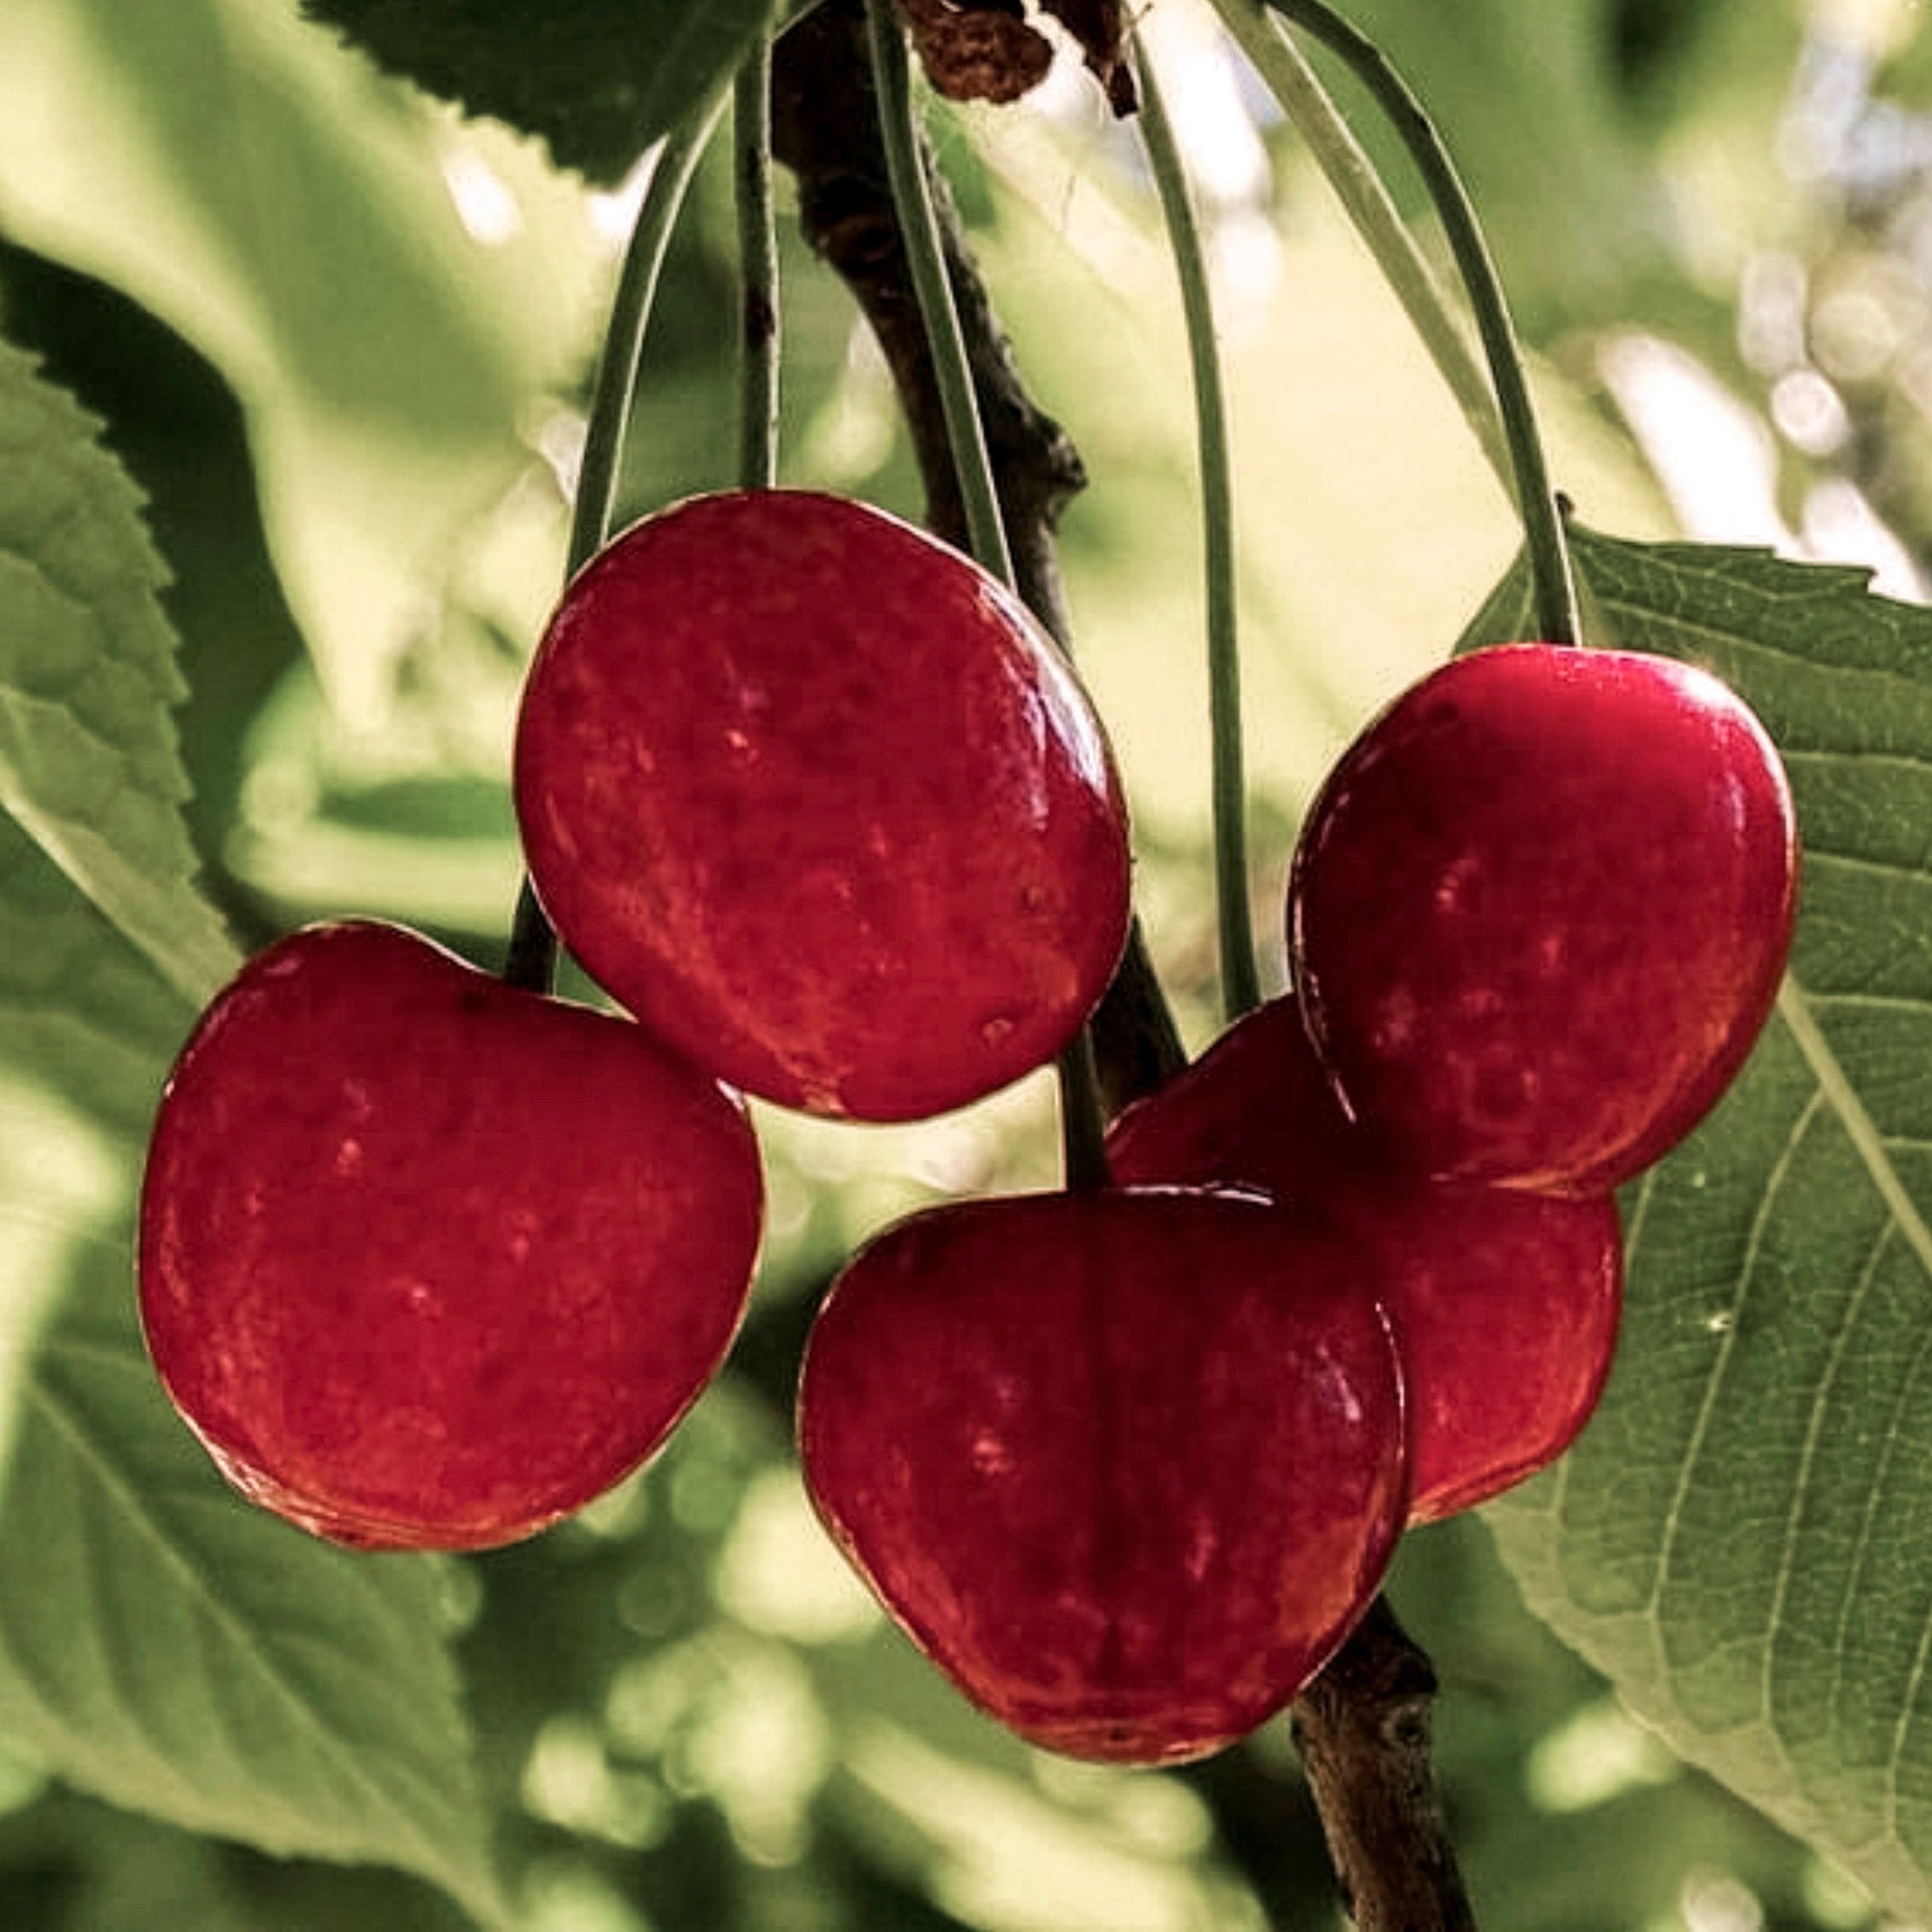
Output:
x=1368 y=204
x=1240 y=981
x=531 y=959
x=952 y=372
x=758 y=256
x=1549 y=566
x=1082 y=1123
x=624 y=341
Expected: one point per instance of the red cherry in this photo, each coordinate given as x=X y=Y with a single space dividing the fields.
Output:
x=812 y=795
x=1127 y=1466
x=426 y=1262
x=1505 y=1304
x=1539 y=912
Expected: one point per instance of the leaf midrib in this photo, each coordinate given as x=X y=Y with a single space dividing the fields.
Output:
x=1842 y=1098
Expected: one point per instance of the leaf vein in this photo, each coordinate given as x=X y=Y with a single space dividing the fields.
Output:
x=1807 y=1463
x=1892 y=1434
x=336 y=1744
x=1837 y=1090
x=1726 y=1351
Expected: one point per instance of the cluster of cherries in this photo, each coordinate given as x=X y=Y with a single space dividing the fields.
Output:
x=429 y=1261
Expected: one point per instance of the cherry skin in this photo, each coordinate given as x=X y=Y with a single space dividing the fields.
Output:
x=812 y=796
x=1128 y=1466
x=1537 y=915
x=426 y=1262
x=1505 y=1304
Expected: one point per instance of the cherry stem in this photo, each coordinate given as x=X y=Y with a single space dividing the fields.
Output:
x=1557 y=617
x=530 y=961
x=1365 y=199
x=757 y=259
x=985 y=535
x=623 y=340
x=1240 y=980
x=1082 y=1123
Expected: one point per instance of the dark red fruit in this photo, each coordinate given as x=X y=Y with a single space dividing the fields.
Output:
x=1539 y=912
x=812 y=795
x=426 y=1262
x=1505 y=1304
x=1127 y=1466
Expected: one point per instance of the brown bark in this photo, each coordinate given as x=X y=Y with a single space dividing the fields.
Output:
x=1363 y=1730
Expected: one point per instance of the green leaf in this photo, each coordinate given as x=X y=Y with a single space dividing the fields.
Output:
x=86 y=1030
x=180 y=429
x=88 y=763
x=597 y=80
x=85 y=1020
x=1737 y=1539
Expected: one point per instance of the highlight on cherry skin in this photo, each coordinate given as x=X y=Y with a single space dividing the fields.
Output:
x=426 y=1261
x=1128 y=1466
x=1505 y=1304
x=1539 y=912
x=811 y=794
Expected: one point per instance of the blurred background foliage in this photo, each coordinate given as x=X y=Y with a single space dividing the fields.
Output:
x=341 y=337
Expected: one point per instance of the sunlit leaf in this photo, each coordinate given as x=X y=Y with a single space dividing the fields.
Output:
x=86 y=1026
x=598 y=80
x=84 y=1018
x=162 y=1644
x=385 y=293
x=1737 y=1541
x=88 y=763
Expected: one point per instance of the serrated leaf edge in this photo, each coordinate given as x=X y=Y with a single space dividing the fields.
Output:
x=203 y=957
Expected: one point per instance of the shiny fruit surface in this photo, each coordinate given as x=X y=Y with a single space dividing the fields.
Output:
x=1539 y=912
x=1126 y=1465
x=812 y=795
x=426 y=1262
x=1505 y=1304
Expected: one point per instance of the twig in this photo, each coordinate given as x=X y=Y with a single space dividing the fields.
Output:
x=1363 y=1730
